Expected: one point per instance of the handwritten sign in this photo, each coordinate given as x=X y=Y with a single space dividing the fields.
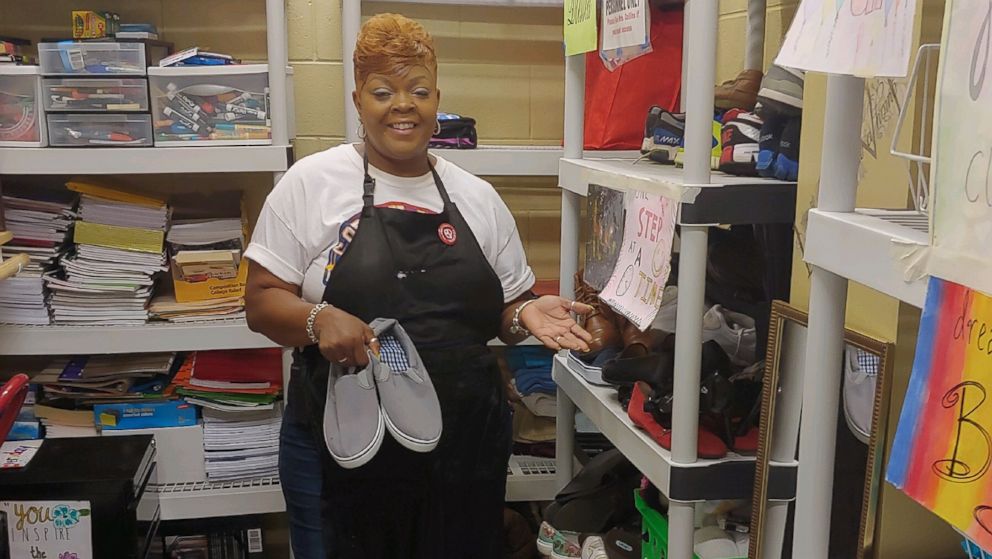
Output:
x=624 y=24
x=580 y=26
x=961 y=232
x=855 y=37
x=943 y=446
x=49 y=529
x=642 y=269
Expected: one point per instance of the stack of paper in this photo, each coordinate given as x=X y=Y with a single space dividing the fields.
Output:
x=40 y=225
x=107 y=378
x=119 y=248
x=165 y=307
x=232 y=380
x=65 y=421
x=241 y=444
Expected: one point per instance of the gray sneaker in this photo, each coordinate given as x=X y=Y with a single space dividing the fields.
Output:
x=354 y=426
x=406 y=394
x=782 y=91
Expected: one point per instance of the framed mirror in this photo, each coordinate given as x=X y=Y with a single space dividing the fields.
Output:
x=861 y=437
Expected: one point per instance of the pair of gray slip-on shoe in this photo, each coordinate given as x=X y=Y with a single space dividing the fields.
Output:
x=394 y=392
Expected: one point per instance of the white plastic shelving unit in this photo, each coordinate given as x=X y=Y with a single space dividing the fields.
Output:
x=205 y=500
x=706 y=198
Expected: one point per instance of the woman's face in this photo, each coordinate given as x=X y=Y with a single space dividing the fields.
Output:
x=399 y=113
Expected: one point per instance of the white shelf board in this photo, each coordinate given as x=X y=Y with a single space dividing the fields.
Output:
x=203 y=499
x=528 y=479
x=104 y=161
x=603 y=408
x=622 y=173
x=515 y=160
x=151 y=337
x=868 y=246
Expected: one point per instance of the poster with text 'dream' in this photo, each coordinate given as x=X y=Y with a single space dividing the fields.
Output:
x=942 y=451
x=961 y=183
x=865 y=38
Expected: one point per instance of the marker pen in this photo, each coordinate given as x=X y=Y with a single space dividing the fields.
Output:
x=242 y=110
x=186 y=121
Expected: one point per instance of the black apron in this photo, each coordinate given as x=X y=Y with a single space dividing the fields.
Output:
x=428 y=272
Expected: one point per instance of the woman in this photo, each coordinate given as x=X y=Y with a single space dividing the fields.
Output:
x=438 y=250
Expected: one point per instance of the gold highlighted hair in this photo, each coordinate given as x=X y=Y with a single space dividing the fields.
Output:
x=392 y=44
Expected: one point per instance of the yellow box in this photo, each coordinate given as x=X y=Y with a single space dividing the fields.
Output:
x=210 y=288
x=88 y=24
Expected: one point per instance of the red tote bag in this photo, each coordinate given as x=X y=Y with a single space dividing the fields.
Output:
x=617 y=102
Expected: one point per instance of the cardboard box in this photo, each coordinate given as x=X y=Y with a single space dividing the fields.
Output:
x=179 y=452
x=202 y=288
x=87 y=24
x=142 y=415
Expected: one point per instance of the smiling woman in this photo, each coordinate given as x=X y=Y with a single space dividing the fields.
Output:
x=382 y=229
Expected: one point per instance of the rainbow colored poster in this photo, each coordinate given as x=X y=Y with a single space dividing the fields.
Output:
x=943 y=445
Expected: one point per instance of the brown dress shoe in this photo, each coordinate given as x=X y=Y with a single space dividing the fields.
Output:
x=637 y=343
x=740 y=92
x=601 y=322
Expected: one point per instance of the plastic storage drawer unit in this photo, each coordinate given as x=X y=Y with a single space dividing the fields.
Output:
x=96 y=94
x=93 y=130
x=211 y=105
x=72 y=58
x=22 y=120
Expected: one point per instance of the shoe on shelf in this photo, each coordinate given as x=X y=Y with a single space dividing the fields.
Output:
x=623 y=542
x=665 y=319
x=787 y=161
x=708 y=445
x=739 y=140
x=593 y=548
x=637 y=343
x=740 y=92
x=768 y=142
x=714 y=153
x=656 y=369
x=781 y=92
x=663 y=134
x=566 y=546
x=601 y=322
x=735 y=332
x=546 y=538
x=715 y=387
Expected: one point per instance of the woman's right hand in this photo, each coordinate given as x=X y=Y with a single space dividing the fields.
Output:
x=343 y=338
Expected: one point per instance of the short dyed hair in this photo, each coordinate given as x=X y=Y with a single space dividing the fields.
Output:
x=392 y=44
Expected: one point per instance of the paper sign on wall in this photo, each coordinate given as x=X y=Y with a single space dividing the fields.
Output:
x=638 y=281
x=961 y=229
x=854 y=37
x=580 y=26
x=624 y=23
x=49 y=529
x=942 y=450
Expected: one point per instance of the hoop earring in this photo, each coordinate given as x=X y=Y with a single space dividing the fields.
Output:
x=361 y=130
x=437 y=129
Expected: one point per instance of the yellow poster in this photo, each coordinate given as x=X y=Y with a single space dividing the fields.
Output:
x=580 y=26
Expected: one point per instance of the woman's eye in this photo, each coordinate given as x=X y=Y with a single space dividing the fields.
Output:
x=424 y=93
x=381 y=93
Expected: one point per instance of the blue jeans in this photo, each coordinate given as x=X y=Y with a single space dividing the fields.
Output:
x=301 y=477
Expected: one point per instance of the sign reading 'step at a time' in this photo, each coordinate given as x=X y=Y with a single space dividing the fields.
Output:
x=961 y=174
x=624 y=23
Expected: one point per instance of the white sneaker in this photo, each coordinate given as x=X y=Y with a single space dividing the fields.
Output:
x=593 y=548
x=735 y=332
x=860 y=377
x=665 y=319
x=710 y=542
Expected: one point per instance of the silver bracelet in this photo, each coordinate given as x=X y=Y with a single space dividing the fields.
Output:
x=311 y=318
x=515 y=326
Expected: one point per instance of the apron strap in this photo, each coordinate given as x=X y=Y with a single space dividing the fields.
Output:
x=368 y=187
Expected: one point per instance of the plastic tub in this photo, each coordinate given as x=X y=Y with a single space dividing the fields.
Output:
x=95 y=95
x=99 y=130
x=211 y=105
x=22 y=119
x=72 y=58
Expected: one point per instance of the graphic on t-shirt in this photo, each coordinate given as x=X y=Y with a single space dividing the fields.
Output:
x=346 y=233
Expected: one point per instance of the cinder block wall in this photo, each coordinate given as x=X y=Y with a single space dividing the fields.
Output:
x=502 y=66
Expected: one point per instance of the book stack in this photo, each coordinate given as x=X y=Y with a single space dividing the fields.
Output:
x=107 y=378
x=241 y=444
x=232 y=380
x=207 y=272
x=62 y=420
x=40 y=224
x=119 y=248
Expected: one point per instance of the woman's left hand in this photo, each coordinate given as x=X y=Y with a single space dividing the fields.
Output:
x=549 y=319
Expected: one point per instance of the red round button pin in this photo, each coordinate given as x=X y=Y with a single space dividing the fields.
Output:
x=446 y=232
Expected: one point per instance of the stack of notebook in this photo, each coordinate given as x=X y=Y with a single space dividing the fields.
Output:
x=40 y=223
x=231 y=380
x=119 y=248
x=241 y=444
x=107 y=378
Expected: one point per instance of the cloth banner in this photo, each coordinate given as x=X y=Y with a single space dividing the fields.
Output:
x=638 y=281
x=864 y=38
x=961 y=212
x=943 y=445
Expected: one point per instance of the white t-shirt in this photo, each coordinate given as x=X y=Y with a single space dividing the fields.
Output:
x=311 y=216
